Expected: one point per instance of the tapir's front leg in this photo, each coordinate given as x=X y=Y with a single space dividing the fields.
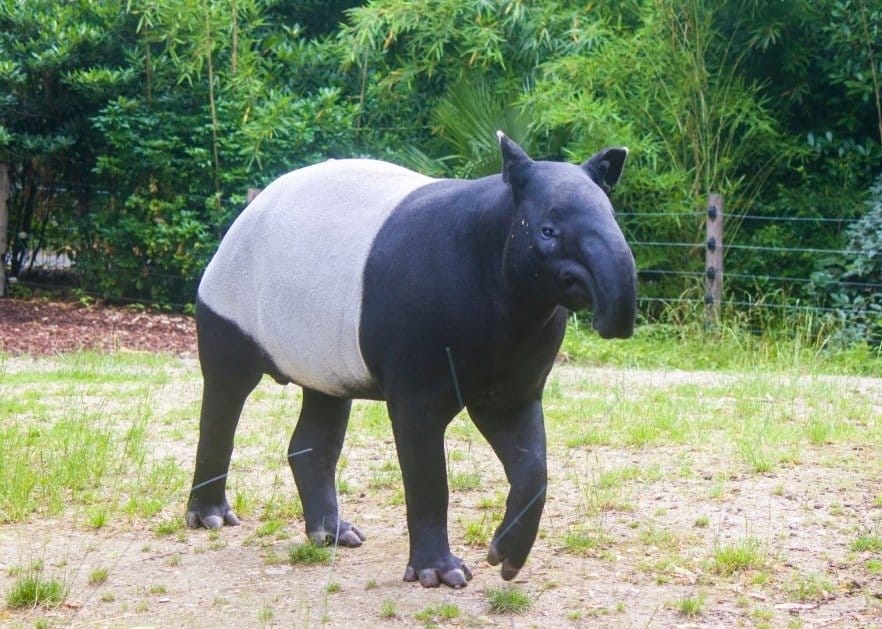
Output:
x=419 y=438
x=518 y=438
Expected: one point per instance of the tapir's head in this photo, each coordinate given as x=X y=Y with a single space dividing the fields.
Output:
x=565 y=246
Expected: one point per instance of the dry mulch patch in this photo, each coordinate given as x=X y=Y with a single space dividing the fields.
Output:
x=40 y=327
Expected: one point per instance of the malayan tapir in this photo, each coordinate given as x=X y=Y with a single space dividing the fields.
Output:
x=361 y=279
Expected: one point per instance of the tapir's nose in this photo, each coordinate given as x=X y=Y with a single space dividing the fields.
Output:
x=615 y=277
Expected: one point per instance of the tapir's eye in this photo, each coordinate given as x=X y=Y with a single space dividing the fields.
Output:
x=548 y=232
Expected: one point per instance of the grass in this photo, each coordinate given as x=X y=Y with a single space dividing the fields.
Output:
x=738 y=557
x=387 y=609
x=33 y=590
x=810 y=587
x=309 y=553
x=871 y=543
x=583 y=543
x=442 y=611
x=98 y=575
x=686 y=344
x=508 y=600
x=119 y=427
x=477 y=531
x=691 y=606
x=465 y=481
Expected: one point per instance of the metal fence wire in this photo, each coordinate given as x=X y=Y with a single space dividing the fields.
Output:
x=48 y=262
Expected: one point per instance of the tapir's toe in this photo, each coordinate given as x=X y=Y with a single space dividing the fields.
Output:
x=509 y=569
x=456 y=578
x=211 y=520
x=344 y=535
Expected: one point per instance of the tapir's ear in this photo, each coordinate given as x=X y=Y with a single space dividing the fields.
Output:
x=514 y=160
x=606 y=167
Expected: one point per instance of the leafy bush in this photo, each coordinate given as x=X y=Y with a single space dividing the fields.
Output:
x=854 y=287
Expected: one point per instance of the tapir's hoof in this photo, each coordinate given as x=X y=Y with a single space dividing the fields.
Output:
x=508 y=570
x=346 y=535
x=211 y=520
x=457 y=577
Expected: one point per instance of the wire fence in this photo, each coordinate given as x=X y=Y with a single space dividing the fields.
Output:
x=54 y=266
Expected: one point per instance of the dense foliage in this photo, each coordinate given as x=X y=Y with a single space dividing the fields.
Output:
x=133 y=130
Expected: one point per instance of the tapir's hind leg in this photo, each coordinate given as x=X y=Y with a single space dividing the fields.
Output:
x=313 y=453
x=231 y=368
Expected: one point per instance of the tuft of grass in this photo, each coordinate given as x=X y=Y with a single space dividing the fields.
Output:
x=383 y=479
x=492 y=503
x=98 y=575
x=701 y=521
x=270 y=527
x=387 y=609
x=508 y=600
x=738 y=557
x=266 y=613
x=477 y=532
x=465 y=481
x=810 y=587
x=757 y=454
x=371 y=585
x=334 y=587
x=867 y=542
x=309 y=553
x=442 y=611
x=581 y=543
x=34 y=567
x=691 y=606
x=241 y=504
x=168 y=527
x=157 y=588
x=96 y=517
x=32 y=590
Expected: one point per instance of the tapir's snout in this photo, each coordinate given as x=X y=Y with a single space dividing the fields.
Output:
x=614 y=277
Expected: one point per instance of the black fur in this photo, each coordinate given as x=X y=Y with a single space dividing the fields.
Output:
x=465 y=298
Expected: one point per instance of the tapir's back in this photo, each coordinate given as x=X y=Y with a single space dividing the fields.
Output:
x=289 y=271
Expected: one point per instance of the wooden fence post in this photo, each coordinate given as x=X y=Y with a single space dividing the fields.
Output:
x=4 y=223
x=713 y=258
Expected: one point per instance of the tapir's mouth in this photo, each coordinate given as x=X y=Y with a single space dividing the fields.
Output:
x=578 y=291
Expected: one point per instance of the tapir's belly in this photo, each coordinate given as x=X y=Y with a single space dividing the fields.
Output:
x=289 y=273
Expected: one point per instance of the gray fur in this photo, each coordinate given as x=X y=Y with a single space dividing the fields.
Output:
x=289 y=271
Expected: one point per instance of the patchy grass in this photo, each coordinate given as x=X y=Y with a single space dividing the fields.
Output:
x=738 y=557
x=508 y=600
x=871 y=543
x=98 y=575
x=659 y=480
x=388 y=609
x=691 y=606
x=309 y=553
x=34 y=589
x=810 y=587
x=686 y=344
x=442 y=611
x=584 y=543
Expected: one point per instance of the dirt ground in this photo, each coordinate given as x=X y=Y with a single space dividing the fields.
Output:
x=38 y=327
x=650 y=554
